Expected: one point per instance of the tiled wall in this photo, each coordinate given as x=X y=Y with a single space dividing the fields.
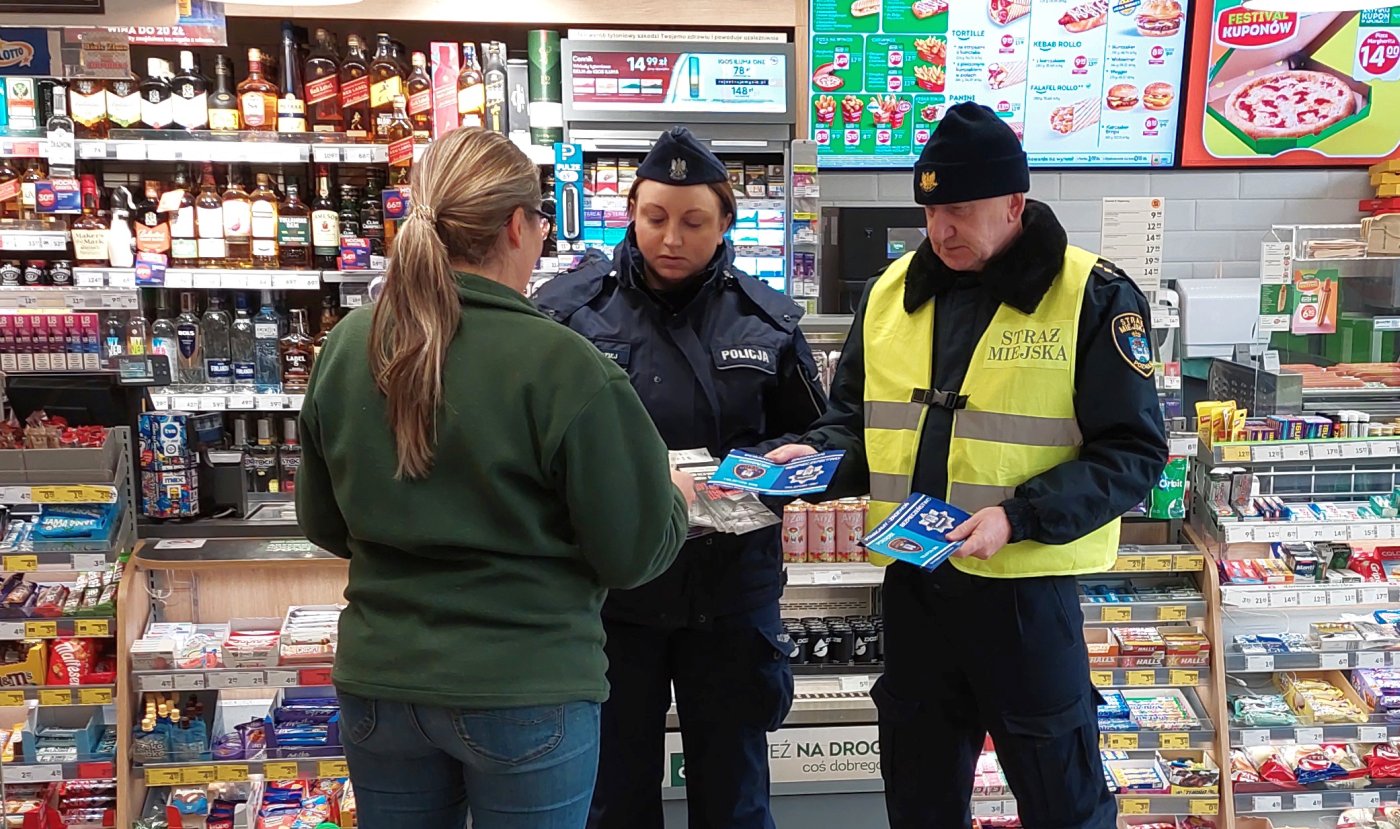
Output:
x=1215 y=220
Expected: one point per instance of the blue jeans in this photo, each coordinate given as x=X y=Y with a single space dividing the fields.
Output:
x=512 y=768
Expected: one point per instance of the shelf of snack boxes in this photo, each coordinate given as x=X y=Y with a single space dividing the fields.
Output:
x=73 y=476
x=174 y=399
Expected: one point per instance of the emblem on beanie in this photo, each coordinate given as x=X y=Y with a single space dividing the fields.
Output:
x=928 y=182
x=678 y=170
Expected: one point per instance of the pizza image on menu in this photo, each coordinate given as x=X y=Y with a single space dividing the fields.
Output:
x=1291 y=104
x=1085 y=16
x=1003 y=12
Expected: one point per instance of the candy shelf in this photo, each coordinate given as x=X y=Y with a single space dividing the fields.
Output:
x=52 y=695
x=1377 y=731
x=290 y=676
x=1140 y=612
x=204 y=772
x=62 y=627
x=18 y=772
x=1317 y=801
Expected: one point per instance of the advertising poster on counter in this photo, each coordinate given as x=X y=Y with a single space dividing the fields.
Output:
x=1085 y=84
x=801 y=755
x=1283 y=88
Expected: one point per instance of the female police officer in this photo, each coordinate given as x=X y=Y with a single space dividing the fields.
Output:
x=719 y=362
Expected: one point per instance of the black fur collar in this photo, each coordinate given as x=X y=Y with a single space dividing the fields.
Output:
x=1019 y=277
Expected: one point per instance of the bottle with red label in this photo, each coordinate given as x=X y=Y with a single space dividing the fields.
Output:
x=322 y=75
x=257 y=97
x=420 y=99
x=89 y=231
x=386 y=84
x=354 y=89
x=399 y=132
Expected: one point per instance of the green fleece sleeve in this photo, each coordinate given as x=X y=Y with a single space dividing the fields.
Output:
x=629 y=520
x=318 y=514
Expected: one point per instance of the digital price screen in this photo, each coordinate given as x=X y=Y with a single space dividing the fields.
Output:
x=655 y=81
x=1084 y=83
x=1283 y=88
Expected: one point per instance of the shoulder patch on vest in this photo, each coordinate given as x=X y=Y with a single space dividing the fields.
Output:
x=1130 y=337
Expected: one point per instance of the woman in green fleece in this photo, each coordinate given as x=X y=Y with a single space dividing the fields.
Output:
x=490 y=475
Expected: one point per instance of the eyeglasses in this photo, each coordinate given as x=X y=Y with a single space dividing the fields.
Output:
x=546 y=220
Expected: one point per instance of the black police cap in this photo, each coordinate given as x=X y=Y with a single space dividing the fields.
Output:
x=678 y=158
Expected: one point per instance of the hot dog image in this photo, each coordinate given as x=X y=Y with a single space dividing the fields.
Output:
x=1085 y=16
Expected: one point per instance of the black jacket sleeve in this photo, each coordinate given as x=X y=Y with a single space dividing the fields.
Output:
x=843 y=425
x=799 y=400
x=1125 y=443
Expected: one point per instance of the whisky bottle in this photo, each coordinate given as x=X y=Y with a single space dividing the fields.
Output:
x=124 y=103
x=264 y=224
x=471 y=89
x=354 y=90
x=420 y=99
x=238 y=224
x=323 y=86
x=184 y=238
x=87 y=101
x=329 y=317
x=209 y=222
x=191 y=90
x=325 y=224
x=28 y=189
x=494 y=74
x=294 y=231
x=398 y=130
x=152 y=226
x=157 y=108
x=257 y=97
x=10 y=190
x=297 y=355
x=370 y=219
x=291 y=106
x=223 y=103
x=386 y=84
x=89 y=231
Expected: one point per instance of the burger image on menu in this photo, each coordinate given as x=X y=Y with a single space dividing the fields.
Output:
x=1158 y=96
x=1122 y=97
x=1160 y=18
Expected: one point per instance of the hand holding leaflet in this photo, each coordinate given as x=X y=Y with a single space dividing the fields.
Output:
x=916 y=532
x=755 y=473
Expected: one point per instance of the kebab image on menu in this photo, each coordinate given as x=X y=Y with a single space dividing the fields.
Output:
x=1006 y=75
x=1075 y=117
x=1003 y=12
x=1280 y=97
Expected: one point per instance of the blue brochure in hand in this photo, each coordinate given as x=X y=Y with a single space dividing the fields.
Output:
x=755 y=473
x=914 y=532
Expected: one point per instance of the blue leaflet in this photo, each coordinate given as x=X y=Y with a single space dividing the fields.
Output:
x=755 y=473
x=914 y=532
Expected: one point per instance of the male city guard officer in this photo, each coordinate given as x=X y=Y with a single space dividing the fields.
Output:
x=1005 y=370
x=719 y=363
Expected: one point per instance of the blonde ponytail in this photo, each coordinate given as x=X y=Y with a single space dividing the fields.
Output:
x=464 y=191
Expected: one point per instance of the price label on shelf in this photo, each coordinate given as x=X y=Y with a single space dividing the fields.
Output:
x=281 y=679
x=11 y=699
x=213 y=403
x=1135 y=806
x=209 y=280
x=1254 y=737
x=1330 y=532
x=37 y=629
x=165 y=776
x=1366 y=800
x=1259 y=662
x=1235 y=453
x=1130 y=564
x=1203 y=807
x=1122 y=741
x=1283 y=598
x=1268 y=453
x=275 y=402
x=88 y=561
x=179 y=279
x=20 y=563
x=11 y=630
x=989 y=808
x=1171 y=613
x=1312 y=598
x=1356 y=449
x=1115 y=613
x=1343 y=596
x=242 y=402
x=332 y=768
x=55 y=696
x=281 y=770
x=82 y=494
x=94 y=696
x=1297 y=452
x=1180 y=676
x=236 y=773
x=1372 y=733
x=192 y=681
x=32 y=774
x=325 y=155
x=1373 y=594
x=237 y=679
x=260 y=281
x=1268 y=803
x=1365 y=532
x=1188 y=562
x=1148 y=677
x=1370 y=659
x=92 y=627
x=200 y=775
x=1158 y=564
x=1307 y=802
x=1385 y=448
x=1174 y=741
x=156 y=682
x=358 y=155
x=1327 y=451
x=1308 y=735
x=1338 y=661
x=1101 y=679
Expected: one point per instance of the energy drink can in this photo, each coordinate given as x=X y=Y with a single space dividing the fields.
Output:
x=850 y=529
x=795 y=532
x=821 y=533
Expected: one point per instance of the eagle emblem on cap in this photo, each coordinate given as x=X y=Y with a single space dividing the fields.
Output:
x=678 y=169
x=928 y=181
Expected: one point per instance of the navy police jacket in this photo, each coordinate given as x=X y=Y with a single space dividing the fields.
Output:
x=720 y=365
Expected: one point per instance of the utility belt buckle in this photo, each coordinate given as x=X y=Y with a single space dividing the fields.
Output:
x=950 y=400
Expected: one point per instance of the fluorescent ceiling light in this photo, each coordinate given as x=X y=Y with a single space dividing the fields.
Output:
x=1315 y=6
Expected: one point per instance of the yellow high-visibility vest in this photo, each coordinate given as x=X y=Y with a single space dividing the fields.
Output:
x=1019 y=420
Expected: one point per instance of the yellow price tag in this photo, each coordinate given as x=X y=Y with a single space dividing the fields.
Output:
x=1134 y=806
x=1115 y=613
x=333 y=768
x=1175 y=740
x=1203 y=807
x=198 y=775
x=1234 y=453
x=55 y=697
x=1171 y=613
x=1101 y=679
x=165 y=777
x=19 y=564
x=11 y=699
x=1188 y=563
x=281 y=771
x=94 y=696
x=1123 y=742
x=1129 y=563
x=73 y=494
x=40 y=630
x=92 y=627
x=1161 y=564
x=231 y=774
x=1142 y=677
x=1185 y=678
